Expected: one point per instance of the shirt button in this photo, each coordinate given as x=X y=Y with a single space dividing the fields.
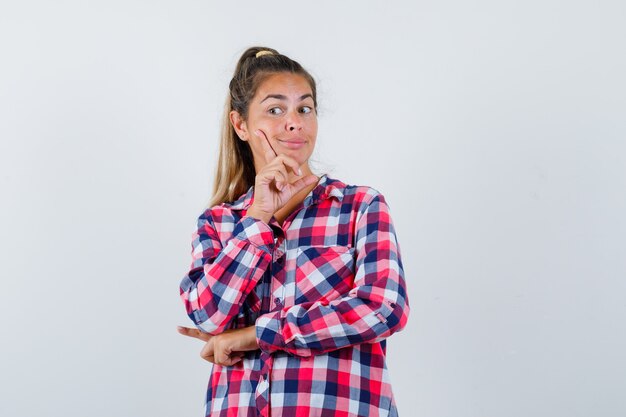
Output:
x=262 y=386
x=278 y=302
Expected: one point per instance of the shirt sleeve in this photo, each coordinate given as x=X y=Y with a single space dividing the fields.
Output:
x=221 y=277
x=375 y=308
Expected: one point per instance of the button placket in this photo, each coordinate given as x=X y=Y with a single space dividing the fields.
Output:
x=263 y=386
x=279 y=261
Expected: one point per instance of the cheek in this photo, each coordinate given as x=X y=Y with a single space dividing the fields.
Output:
x=271 y=127
x=312 y=126
x=259 y=120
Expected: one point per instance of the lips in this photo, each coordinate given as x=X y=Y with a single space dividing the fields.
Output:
x=292 y=143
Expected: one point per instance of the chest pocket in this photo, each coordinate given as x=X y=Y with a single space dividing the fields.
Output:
x=323 y=273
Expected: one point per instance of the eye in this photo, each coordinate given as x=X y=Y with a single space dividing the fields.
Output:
x=276 y=110
x=306 y=109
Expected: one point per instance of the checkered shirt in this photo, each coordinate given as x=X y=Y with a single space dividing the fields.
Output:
x=324 y=291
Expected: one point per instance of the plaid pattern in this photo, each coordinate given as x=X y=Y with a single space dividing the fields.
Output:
x=324 y=291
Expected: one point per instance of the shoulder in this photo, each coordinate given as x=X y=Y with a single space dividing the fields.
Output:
x=222 y=217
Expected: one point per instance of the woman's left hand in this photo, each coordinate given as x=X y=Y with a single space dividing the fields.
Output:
x=227 y=348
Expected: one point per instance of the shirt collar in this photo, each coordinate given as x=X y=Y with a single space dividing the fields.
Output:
x=326 y=188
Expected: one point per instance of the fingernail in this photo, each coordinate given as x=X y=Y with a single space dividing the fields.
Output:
x=299 y=171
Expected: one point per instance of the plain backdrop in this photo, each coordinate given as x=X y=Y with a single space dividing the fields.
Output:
x=495 y=129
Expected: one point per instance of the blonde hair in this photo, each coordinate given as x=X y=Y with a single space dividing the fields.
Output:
x=235 y=172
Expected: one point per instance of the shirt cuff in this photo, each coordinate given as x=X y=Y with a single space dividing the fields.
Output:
x=268 y=332
x=255 y=231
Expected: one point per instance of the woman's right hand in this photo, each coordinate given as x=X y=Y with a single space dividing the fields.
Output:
x=272 y=189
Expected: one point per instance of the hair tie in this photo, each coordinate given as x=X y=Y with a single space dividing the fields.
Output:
x=261 y=53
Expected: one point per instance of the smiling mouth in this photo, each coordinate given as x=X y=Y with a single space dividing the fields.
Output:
x=293 y=144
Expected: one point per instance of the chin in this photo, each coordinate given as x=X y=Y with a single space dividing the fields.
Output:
x=300 y=157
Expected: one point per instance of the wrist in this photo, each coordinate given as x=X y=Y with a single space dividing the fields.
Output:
x=259 y=214
x=252 y=337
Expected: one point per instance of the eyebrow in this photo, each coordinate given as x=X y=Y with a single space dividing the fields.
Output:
x=282 y=97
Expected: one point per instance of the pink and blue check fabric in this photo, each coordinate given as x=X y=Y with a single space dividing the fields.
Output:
x=323 y=290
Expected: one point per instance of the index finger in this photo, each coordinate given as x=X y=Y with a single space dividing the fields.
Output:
x=268 y=151
x=186 y=331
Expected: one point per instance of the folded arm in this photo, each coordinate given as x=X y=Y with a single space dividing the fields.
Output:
x=221 y=277
x=375 y=308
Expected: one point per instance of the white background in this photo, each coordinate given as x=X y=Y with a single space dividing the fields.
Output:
x=495 y=129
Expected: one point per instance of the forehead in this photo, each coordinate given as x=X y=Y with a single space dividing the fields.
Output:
x=284 y=83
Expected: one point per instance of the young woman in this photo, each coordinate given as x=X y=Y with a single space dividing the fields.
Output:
x=296 y=280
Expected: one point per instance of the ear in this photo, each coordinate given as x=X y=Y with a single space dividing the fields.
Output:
x=239 y=124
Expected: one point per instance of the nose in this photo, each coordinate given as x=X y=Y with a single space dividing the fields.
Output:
x=293 y=122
